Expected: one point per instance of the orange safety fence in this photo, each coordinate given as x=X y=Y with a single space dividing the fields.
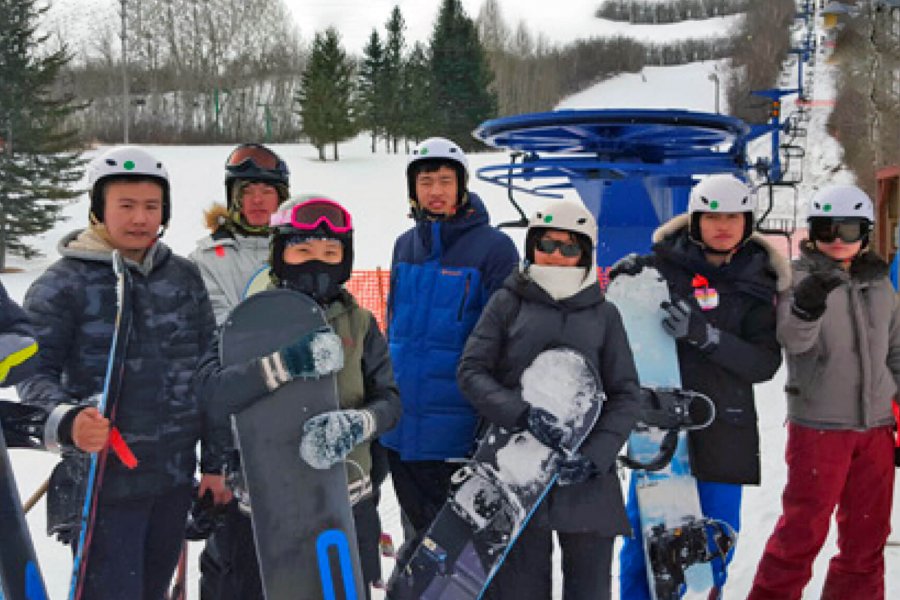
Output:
x=370 y=288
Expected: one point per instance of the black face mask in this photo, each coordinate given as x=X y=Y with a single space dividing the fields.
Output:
x=320 y=280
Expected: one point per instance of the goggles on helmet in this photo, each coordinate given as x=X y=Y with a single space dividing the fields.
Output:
x=829 y=229
x=309 y=215
x=567 y=249
x=260 y=156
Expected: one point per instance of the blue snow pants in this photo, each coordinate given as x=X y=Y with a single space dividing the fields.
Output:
x=720 y=501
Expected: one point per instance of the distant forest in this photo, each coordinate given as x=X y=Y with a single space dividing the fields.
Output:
x=672 y=11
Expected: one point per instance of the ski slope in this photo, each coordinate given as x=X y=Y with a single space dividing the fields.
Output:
x=373 y=188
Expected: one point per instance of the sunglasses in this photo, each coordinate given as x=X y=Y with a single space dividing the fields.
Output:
x=567 y=249
x=309 y=215
x=828 y=230
x=260 y=156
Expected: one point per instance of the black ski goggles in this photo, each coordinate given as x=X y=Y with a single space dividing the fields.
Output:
x=567 y=249
x=829 y=229
x=260 y=156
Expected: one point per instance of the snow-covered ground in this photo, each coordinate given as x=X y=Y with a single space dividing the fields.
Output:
x=373 y=188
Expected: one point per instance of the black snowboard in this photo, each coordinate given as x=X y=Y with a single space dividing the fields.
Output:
x=20 y=577
x=497 y=493
x=302 y=521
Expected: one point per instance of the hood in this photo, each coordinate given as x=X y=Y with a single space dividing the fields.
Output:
x=91 y=245
x=473 y=214
x=671 y=238
x=215 y=217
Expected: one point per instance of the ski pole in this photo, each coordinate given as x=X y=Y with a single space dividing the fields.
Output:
x=36 y=496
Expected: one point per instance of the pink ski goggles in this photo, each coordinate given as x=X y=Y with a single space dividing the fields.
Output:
x=309 y=215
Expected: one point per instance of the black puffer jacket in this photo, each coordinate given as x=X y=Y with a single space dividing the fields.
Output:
x=72 y=306
x=748 y=352
x=519 y=322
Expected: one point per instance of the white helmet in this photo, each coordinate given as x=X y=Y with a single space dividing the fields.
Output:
x=841 y=201
x=126 y=162
x=566 y=215
x=437 y=149
x=721 y=193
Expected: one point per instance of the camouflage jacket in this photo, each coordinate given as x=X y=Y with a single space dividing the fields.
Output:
x=73 y=307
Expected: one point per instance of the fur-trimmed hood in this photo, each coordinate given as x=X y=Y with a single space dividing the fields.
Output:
x=215 y=216
x=779 y=264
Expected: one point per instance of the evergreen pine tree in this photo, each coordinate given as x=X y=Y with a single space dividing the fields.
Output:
x=393 y=84
x=38 y=164
x=370 y=87
x=418 y=108
x=326 y=94
x=461 y=76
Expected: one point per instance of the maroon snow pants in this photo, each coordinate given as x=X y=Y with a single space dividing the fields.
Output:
x=854 y=471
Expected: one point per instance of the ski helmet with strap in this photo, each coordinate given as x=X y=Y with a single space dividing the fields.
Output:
x=436 y=152
x=255 y=163
x=721 y=194
x=564 y=215
x=124 y=163
x=301 y=219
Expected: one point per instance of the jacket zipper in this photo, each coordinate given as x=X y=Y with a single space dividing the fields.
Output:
x=462 y=304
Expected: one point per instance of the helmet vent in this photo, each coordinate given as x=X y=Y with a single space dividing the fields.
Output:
x=581 y=221
x=857 y=206
x=111 y=162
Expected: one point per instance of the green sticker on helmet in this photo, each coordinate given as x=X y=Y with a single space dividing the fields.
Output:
x=548 y=219
x=826 y=208
x=714 y=205
x=128 y=165
x=423 y=151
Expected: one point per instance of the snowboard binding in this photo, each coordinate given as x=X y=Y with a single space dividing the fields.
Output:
x=23 y=424
x=673 y=551
x=672 y=410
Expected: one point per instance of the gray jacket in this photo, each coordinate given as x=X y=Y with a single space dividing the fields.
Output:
x=227 y=263
x=844 y=368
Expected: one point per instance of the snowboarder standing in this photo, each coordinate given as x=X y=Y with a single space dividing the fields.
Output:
x=840 y=326
x=555 y=300
x=722 y=282
x=443 y=271
x=141 y=512
x=312 y=252
x=256 y=182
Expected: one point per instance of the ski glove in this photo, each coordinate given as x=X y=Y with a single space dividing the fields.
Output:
x=576 y=468
x=329 y=437
x=811 y=294
x=313 y=355
x=630 y=264
x=684 y=322
x=542 y=425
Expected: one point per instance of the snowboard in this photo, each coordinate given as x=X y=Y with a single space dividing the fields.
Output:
x=498 y=491
x=20 y=576
x=302 y=522
x=676 y=536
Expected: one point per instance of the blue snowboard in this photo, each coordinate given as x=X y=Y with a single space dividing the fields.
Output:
x=497 y=493
x=667 y=498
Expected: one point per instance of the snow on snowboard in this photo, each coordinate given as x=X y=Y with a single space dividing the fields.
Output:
x=497 y=492
x=302 y=521
x=678 y=541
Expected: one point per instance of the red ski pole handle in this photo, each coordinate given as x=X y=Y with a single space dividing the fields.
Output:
x=120 y=448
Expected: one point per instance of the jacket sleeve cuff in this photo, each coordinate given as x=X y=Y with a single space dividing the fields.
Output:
x=58 y=428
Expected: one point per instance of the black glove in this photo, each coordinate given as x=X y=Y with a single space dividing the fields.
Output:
x=542 y=425
x=685 y=322
x=577 y=468
x=630 y=264
x=812 y=292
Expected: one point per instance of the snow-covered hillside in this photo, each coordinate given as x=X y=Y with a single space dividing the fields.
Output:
x=373 y=187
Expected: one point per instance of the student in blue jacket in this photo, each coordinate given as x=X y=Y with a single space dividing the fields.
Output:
x=443 y=271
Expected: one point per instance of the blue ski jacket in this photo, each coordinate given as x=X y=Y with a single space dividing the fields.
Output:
x=442 y=274
x=73 y=307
